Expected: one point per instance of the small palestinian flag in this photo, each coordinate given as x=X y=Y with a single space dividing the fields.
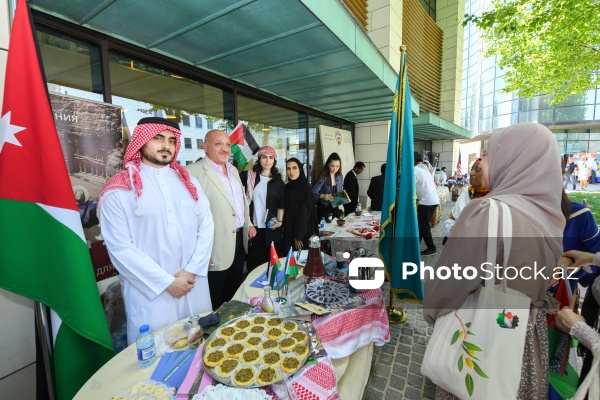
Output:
x=243 y=145
x=507 y=320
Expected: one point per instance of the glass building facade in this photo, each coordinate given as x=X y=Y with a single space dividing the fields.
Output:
x=88 y=67
x=485 y=108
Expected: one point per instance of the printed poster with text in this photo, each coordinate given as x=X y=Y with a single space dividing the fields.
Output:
x=91 y=136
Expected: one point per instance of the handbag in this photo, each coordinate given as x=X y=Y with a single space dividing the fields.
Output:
x=476 y=352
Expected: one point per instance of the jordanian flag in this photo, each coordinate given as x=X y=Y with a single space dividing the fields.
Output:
x=275 y=267
x=243 y=145
x=43 y=252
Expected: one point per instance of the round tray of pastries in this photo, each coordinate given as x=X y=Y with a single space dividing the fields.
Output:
x=256 y=350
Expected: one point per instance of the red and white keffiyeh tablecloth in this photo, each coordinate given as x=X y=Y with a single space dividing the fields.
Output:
x=344 y=333
x=341 y=334
x=314 y=382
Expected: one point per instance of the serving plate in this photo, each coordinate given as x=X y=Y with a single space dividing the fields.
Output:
x=256 y=367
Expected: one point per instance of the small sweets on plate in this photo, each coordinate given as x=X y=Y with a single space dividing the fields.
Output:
x=234 y=350
x=287 y=344
x=251 y=356
x=267 y=375
x=244 y=375
x=275 y=333
x=213 y=358
x=227 y=367
x=290 y=364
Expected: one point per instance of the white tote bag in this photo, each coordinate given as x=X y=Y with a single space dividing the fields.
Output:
x=476 y=352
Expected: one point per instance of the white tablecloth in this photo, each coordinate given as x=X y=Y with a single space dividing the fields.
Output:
x=347 y=241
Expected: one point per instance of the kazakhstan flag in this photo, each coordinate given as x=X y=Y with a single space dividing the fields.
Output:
x=399 y=236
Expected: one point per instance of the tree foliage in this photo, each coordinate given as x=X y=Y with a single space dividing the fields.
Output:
x=544 y=46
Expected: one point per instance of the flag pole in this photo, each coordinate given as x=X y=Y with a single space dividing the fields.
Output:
x=396 y=315
x=43 y=328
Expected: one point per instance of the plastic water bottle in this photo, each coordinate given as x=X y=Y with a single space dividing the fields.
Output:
x=145 y=347
x=358 y=206
x=322 y=225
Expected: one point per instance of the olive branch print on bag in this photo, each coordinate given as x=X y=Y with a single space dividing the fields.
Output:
x=468 y=354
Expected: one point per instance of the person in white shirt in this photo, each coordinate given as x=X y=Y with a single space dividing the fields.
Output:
x=158 y=229
x=427 y=202
x=441 y=177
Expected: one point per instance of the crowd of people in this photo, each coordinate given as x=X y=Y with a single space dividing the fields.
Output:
x=584 y=171
x=180 y=237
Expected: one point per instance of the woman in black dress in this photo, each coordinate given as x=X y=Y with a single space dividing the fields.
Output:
x=300 y=216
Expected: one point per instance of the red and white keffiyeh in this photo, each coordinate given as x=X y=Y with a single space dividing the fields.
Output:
x=129 y=178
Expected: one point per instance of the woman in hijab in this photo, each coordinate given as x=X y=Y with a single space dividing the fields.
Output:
x=535 y=205
x=300 y=216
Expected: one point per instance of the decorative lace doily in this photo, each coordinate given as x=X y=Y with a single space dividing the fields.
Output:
x=222 y=392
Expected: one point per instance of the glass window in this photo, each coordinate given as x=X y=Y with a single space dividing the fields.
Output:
x=488 y=75
x=576 y=146
x=71 y=66
x=487 y=112
x=488 y=100
x=198 y=121
x=578 y=99
x=144 y=89
x=594 y=146
x=545 y=100
x=546 y=115
x=560 y=136
x=199 y=143
x=209 y=124
x=501 y=96
x=502 y=121
x=485 y=125
x=594 y=135
x=274 y=126
x=575 y=114
x=504 y=108
x=574 y=136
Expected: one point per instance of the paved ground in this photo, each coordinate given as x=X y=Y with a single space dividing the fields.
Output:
x=395 y=369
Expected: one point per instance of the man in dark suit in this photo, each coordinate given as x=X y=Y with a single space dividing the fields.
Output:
x=375 y=191
x=351 y=187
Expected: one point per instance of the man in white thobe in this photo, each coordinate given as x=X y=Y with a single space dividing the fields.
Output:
x=158 y=229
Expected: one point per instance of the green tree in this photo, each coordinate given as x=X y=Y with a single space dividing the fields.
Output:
x=545 y=46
